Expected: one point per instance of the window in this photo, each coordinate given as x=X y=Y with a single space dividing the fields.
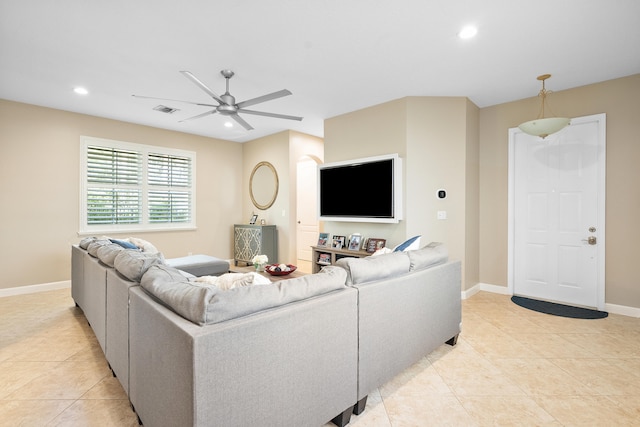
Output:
x=133 y=187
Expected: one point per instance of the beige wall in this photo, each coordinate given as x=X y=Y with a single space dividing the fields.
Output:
x=39 y=186
x=620 y=100
x=437 y=139
x=472 y=198
x=445 y=143
x=373 y=131
x=282 y=150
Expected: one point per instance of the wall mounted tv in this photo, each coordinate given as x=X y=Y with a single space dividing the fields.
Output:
x=361 y=190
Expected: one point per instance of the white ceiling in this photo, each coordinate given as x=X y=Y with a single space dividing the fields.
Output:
x=336 y=56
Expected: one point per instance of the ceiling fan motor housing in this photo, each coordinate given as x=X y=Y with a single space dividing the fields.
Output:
x=229 y=106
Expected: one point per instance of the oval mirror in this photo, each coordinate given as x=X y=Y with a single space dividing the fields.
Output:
x=263 y=185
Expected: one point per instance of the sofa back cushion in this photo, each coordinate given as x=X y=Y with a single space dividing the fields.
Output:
x=85 y=242
x=204 y=303
x=362 y=270
x=433 y=254
x=107 y=253
x=93 y=246
x=132 y=263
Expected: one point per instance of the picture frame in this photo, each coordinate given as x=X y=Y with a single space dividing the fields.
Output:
x=375 y=244
x=253 y=219
x=324 y=259
x=338 y=242
x=323 y=239
x=354 y=242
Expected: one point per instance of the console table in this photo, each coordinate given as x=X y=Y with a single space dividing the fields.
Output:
x=325 y=255
x=252 y=240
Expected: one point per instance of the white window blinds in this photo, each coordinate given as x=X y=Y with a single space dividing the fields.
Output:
x=113 y=180
x=133 y=187
x=169 y=180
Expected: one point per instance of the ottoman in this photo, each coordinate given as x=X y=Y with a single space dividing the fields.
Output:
x=200 y=265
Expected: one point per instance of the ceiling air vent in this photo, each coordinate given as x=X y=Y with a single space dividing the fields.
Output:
x=165 y=109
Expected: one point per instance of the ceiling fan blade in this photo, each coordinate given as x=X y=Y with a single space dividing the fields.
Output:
x=175 y=100
x=199 y=116
x=241 y=121
x=202 y=86
x=264 y=98
x=277 y=116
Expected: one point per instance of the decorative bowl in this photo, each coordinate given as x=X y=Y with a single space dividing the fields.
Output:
x=276 y=270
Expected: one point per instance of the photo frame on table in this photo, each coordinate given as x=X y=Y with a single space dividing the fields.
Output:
x=323 y=239
x=324 y=259
x=375 y=244
x=253 y=219
x=354 y=242
x=339 y=242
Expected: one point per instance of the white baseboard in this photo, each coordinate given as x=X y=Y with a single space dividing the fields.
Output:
x=503 y=290
x=30 y=289
x=622 y=310
x=495 y=289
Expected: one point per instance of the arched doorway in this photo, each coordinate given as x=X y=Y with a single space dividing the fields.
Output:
x=307 y=226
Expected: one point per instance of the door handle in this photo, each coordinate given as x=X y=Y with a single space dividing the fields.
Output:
x=591 y=240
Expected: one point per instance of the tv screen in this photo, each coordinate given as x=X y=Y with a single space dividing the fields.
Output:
x=359 y=190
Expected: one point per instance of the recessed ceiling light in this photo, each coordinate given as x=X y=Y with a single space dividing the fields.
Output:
x=228 y=124
x=468 y=32
x=80 y=90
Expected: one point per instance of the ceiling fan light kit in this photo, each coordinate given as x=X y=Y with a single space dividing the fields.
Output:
x=227 y=105
x=542 y=126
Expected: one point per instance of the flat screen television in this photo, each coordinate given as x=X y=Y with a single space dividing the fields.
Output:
x=361 y=190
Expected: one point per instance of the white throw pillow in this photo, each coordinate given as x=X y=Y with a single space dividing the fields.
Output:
x=143 y=245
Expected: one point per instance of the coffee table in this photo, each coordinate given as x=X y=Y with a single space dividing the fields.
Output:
x=250 y=269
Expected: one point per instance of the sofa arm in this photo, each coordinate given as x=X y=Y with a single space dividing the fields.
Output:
x=403 y=319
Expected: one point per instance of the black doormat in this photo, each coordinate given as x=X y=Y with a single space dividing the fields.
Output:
x=558 y=309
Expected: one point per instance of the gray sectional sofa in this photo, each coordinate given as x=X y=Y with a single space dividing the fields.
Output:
x=298 y=352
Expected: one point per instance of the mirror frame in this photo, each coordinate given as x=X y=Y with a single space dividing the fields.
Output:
x=275 y=191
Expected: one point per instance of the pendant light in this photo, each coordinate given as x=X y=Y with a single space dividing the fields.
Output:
x=542 y=126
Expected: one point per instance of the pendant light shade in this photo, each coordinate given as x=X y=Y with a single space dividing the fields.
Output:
x=542 y=126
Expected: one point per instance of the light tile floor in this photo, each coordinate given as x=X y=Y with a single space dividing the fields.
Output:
x=511 y=367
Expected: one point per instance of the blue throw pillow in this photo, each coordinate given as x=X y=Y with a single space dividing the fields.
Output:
x=404 y=245
x=124 y=244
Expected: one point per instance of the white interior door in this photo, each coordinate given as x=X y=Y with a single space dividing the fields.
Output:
x=557 y=213
x=307 y=221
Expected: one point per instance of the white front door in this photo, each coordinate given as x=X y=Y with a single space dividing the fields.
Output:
x=556 y=204
x=306 y=205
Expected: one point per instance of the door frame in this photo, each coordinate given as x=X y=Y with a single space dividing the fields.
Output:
x=317 y=161
x=601 y=209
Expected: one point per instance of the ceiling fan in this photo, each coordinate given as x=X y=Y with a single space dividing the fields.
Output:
x=227 y=105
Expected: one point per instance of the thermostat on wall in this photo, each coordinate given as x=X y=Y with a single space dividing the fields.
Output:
x=442 y=193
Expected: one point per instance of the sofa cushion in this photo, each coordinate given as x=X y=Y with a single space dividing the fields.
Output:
x=166 y=273
x=107 y=253
x=204 y=303
x=132 y=263
x=93 y=247
x=362 y=270
x=433 y=254
x=85 y=242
